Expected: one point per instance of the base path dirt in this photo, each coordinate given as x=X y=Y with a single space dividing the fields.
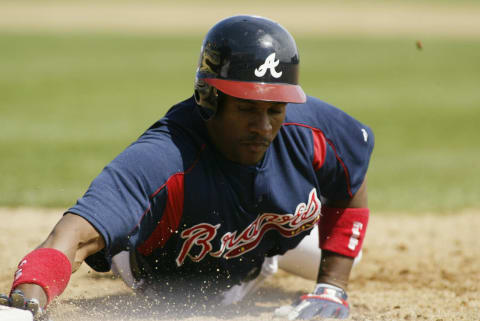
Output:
x=424 y=267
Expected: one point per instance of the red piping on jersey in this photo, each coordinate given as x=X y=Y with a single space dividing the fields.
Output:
x=319 y=149
x=172 y=213
x=316 y=160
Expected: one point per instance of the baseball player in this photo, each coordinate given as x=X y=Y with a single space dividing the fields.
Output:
x=197 y=208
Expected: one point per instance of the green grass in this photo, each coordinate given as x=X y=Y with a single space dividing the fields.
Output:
x=70 y=103
x=424 y=107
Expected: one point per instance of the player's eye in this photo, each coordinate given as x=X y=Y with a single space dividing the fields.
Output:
x=275 y=111
x=246 y=108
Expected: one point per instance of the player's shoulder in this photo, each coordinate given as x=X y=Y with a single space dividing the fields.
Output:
x=314 y=112
x=180 y=126
x=173 y=142
x=335 y=125
x=182 y=115
x=318 y=114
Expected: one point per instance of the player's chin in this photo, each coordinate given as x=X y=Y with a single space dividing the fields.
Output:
x=251 y=154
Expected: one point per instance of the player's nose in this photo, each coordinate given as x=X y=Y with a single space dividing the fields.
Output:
x=261 y=124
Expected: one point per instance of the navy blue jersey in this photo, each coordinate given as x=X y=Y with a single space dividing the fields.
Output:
x=192 y=215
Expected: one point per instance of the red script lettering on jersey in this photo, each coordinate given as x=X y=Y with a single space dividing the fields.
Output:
x=234 y=244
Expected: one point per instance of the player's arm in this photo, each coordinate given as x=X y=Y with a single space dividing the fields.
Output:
x=329 y=298
x=335 y=268
x=44 y=272
x=342 y=148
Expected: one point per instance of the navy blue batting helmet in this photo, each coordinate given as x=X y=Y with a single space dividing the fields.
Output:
x=248 y=57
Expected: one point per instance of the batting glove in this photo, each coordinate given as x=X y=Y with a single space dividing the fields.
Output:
x=327 y=301
x=18 y=300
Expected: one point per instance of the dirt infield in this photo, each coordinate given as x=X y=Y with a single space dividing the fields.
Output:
x=311 y=17
x=414 y=268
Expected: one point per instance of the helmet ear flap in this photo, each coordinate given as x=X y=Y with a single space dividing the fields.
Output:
x=206 y=97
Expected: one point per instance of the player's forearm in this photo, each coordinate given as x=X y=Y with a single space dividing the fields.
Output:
x=71 y=241
x=76 y=238
x=335 y=269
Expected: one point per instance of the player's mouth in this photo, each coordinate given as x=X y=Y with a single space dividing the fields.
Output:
x=256 y=146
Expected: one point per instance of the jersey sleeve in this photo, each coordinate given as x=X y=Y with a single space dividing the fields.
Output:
x=120 y=198
x=347 y=145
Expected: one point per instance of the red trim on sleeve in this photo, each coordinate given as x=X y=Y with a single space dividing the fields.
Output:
x=342 y=230
x=345 y=170
x=319 y=149
x=46 y=267
x=172 y=214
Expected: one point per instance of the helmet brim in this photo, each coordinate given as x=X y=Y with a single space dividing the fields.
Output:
x=287 y=93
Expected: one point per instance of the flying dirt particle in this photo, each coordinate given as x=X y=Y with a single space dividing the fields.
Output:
x=419 y=45
x=404 y=272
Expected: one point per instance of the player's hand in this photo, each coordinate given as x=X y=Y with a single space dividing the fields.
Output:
x=326 y=301
x=18 y=300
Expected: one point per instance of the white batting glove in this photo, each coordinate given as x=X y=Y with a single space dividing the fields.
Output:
x=326 y=301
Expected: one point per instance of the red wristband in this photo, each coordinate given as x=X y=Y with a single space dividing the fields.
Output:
x=48 y=268
x=342 y=230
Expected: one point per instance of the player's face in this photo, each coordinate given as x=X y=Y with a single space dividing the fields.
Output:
x=242 y=129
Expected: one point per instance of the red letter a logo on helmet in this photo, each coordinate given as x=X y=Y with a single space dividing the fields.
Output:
x=270 y=63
